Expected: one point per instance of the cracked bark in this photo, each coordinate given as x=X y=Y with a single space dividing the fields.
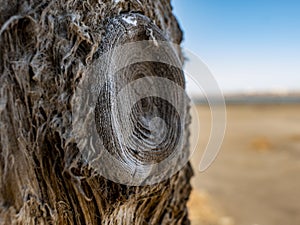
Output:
x=45 y=48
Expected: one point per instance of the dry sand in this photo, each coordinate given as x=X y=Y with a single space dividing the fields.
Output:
x=256 y=178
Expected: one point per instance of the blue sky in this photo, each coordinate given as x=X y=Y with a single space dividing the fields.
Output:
x=248 y=45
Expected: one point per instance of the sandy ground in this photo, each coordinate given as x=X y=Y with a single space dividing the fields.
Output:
x=256 y=178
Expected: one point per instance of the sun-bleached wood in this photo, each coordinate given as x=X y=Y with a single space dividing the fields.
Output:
x=45 y=48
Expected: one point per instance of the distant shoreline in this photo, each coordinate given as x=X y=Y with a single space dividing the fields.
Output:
x=252 y=99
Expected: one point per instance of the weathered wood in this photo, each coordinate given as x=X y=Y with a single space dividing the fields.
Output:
x=46 y=49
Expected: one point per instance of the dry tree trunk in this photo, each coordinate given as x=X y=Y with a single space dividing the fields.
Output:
x=45 y=49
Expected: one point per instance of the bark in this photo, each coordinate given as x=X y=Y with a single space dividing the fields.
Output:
x=46 y=48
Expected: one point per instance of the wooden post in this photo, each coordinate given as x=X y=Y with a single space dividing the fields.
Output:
x=46 y=49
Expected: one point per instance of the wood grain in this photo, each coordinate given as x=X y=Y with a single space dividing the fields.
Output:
x=46 y=49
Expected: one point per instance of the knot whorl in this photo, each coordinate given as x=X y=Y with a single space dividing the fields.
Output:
x=140 y=104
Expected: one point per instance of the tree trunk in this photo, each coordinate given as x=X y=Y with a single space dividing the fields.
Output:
x=46 y=51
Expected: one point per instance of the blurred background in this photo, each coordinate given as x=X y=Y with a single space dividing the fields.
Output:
x=253 y=50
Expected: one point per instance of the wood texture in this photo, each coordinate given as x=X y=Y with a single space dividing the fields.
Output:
x=46 y=47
